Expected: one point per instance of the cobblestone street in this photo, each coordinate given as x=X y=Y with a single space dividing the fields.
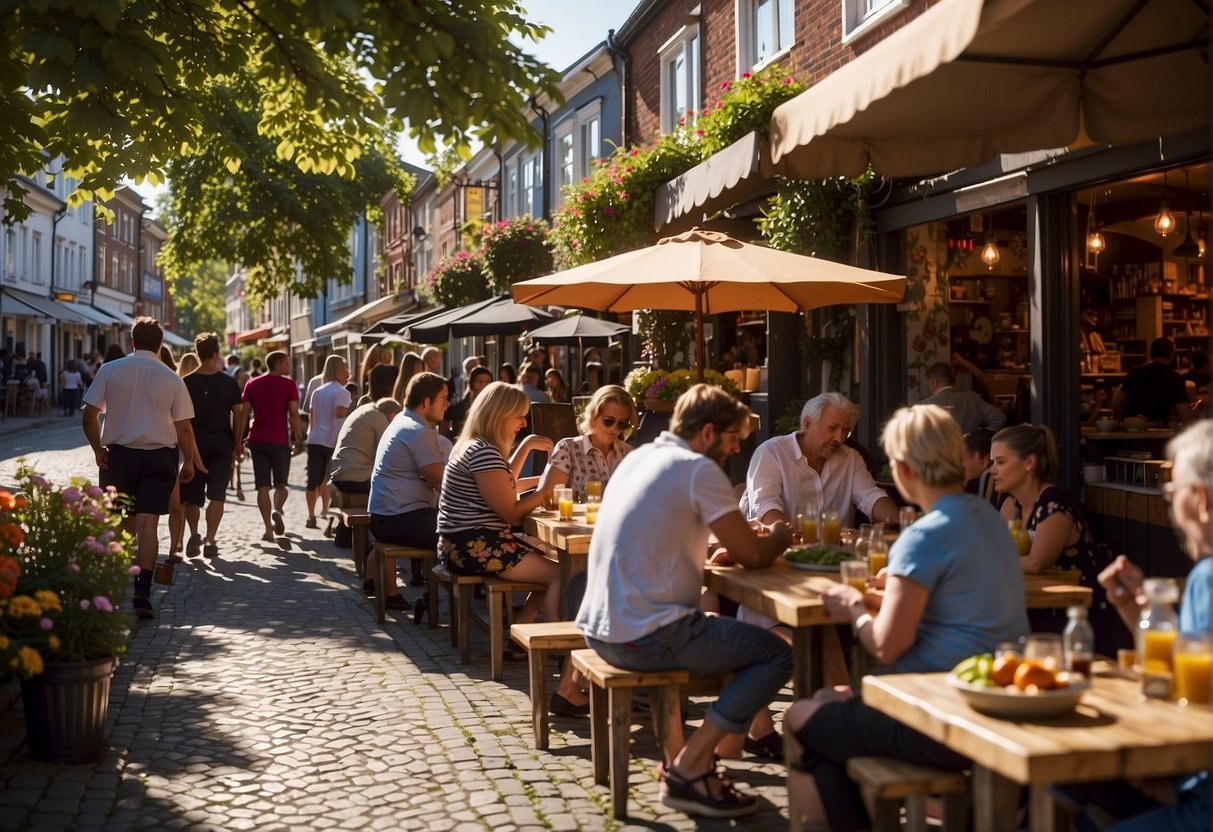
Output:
x=264 y=696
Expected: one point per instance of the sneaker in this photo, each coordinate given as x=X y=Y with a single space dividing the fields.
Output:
x=143 y=608
x=396 y=602
x=310 y=524
x=276 y=519
x=210 y=550
x=192 y=548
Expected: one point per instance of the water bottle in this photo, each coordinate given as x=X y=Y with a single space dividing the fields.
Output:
x=1078 y=642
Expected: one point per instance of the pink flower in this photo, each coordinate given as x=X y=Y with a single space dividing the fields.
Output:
x=114 y=548
x=46 y=623
x=623 y=195
x=135 y=570
x=724 y=85
x=94 y=545
x=787 y=81
x=635 y=151
x=72 y=494
x=94 y=492
x=73 y=568
x=745 y=75
x=610 y=212
x=85 y=603
x=102 y=603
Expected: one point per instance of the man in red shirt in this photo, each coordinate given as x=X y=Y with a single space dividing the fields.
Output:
x=275 y=435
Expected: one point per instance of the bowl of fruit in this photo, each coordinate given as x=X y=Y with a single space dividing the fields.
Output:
x=1016 y=688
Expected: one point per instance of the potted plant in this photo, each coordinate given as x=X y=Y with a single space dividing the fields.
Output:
x=659 y=389
x=64 y=573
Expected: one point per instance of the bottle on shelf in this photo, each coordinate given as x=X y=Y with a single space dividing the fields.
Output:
x=1156 y=631
x=1078 y=642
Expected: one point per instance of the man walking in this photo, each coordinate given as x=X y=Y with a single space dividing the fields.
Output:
x=276 y=433
x=409 y=465
x=219 y=416
x=147 y=418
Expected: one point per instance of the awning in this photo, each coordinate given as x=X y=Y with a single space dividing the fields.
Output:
x=735 y=174
x=118 y=315
x=10 y=304
x=398 y=323
x=174 y=340
x=437 y=330
x=49 y=308
x=970 y=79
x=367 y=313
x=277 y=335
x=93 y=314
x=250 y=335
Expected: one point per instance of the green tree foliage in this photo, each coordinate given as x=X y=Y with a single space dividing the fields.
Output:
x=198 y=299
x=124 y=88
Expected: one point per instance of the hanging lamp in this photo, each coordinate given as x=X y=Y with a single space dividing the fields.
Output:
x=1164 y=223
x=1095 y=240
x=989 y=252
x=1188 y=249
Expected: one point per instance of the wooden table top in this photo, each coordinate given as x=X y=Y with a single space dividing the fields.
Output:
x=569 y=536
x=1112 y=734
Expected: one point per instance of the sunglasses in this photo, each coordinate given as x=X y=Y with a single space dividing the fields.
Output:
x=611 y=421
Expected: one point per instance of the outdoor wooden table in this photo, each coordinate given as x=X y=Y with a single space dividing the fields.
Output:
x=1113 y=734
x=570 y=539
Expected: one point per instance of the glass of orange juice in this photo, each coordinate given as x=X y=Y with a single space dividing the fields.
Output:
x=854 y=573
x=1193 y=675
x=1156 y=649
x=878 y=552
x=591 y=510
x=593 y=490
x=564 y=502
x=808 y=517
x=831 y=527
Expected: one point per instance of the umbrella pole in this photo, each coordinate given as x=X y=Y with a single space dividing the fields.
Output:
x=699 y=345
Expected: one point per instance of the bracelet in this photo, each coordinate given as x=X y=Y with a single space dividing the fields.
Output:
x=859 y=623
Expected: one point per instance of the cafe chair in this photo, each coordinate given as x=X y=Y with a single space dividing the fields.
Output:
x=554 y=420
x=895 y=782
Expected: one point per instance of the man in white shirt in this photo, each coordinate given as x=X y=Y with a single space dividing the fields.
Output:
x=641 y=607
x=969 y=409
x=147 y=418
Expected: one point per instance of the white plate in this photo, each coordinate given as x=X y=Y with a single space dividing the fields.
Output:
x=999 y=702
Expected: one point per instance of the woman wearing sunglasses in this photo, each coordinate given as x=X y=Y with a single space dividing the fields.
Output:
x=607 y=421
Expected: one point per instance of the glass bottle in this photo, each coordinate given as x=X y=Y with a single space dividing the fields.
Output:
x=1156 y=631
x=1078 y=641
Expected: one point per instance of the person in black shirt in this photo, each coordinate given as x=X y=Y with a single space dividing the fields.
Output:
x=219 y=416
x=1154 y=390
x=457 y=413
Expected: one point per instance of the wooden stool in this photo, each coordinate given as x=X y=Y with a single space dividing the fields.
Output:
x=360 y=533
x=893 y=782
x=501 y=617
x=611 y=716
x=386 y=555
x=539 y=639
x=459 y=600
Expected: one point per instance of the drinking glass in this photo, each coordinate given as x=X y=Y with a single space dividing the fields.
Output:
x=878 y=552
x=591 y=510
x=906 y=516
x=564 y=502
x=861 y=541
x=831 y=527
x=1193 y=674
x=808 y=518
x=855 y=573
x=593 y=489
x=1046 y=649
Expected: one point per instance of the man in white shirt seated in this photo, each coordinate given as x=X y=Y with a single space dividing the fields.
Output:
x=969 y=409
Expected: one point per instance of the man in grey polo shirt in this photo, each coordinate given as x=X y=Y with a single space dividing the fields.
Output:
x=409 y=465
x=147 y=418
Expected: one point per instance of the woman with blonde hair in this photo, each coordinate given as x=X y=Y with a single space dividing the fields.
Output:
x=606 y=422
x=410 y=365
x=189 y=363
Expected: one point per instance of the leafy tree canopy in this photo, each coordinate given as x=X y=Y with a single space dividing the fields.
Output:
x=128 y=88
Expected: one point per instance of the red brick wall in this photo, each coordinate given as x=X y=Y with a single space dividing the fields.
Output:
x=817 y=52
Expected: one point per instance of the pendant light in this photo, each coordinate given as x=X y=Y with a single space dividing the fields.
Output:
x=1201 y=231
x=1188 y=249
x=1164 y=223
x=1095 y=241
x=989 y=252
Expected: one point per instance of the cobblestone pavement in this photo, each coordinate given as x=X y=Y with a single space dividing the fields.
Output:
x=264 y=696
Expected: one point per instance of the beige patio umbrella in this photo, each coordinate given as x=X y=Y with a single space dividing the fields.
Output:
x=707 y=273
x=969 y=79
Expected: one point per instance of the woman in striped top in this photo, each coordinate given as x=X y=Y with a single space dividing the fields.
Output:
x=479 y=501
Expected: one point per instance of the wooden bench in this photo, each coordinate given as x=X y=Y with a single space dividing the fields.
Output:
x=459 y=602
x=500 y=594
x=611 y=715
x=360 y=532
x=893 y=782
x=539 y=639
x=386 y=555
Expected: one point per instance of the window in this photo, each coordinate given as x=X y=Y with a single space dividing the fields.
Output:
x=566 y=163
x=36 y=259
x=765 y=30
x=511 y=188
x=10 y=252
x=860 y=16
x=680 y=87
x=528 y=187
x=591 y=141
x=115 y=275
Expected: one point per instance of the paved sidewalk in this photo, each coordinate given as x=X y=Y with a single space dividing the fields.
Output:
x=264 y=696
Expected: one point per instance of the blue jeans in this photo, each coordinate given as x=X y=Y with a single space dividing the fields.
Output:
x=761 y=663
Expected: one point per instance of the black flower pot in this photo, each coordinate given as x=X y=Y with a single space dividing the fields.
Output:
x=65 y=710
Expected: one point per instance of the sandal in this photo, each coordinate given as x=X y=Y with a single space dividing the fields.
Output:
x=680 y=793
x=769 y=747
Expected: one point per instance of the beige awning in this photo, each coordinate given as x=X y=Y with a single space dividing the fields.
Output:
x=732 y=175
x=365 y=315
x=970 y=79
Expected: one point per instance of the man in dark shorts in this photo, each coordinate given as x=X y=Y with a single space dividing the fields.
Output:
x=275 y=435
x=219 y=416
x=147 y=418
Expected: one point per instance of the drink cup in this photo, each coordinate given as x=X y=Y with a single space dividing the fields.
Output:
x=878 y=553
x=1126 y=659
x=593 y=490
x=1045 y=648
x=906 y=515
x=1193 y=676
x=831 y=527
x=1156 y=650
x=564 y=502
x=591 y=511
x=854 y=573
x=809 y=516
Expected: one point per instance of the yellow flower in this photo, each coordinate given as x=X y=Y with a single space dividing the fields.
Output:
x=49 y=601
x=53 y=641
x=31 y=661
x=23 y=605
x=493 y=565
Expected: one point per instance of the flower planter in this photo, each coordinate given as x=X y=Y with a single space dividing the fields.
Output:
x=66 y=707
x=658 y=406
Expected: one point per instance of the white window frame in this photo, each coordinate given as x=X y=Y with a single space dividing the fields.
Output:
x=589 y=114
x=529 y=185
x=861 y=16
x=747 y=47
x=686 y=42
x=512 y=189
x=566 y=136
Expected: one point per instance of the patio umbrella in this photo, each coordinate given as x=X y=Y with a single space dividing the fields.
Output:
x=969 y=79
x=579 y=330
x=707 y=273
x=436 y=329
x=501 y=318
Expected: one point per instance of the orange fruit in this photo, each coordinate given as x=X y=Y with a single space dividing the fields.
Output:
x=1032 y=673
x=1003 y=670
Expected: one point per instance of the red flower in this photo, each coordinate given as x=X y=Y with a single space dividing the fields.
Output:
x=724 y=85
x=745 y=75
